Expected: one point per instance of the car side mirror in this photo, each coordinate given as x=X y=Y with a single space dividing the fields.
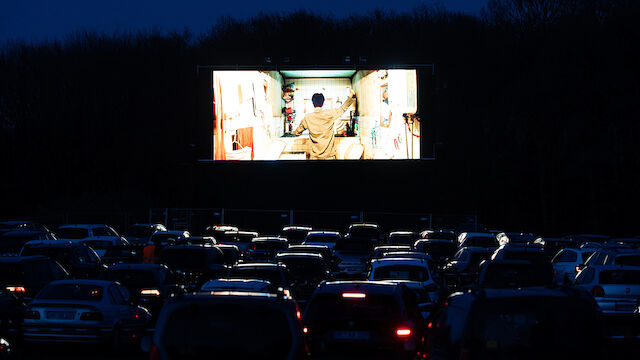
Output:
x=145 y=343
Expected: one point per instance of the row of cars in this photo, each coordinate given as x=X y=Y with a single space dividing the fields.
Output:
x=405 y=294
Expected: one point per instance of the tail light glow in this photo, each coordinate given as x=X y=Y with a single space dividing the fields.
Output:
x=150 y=292
x=298 y=314
x=402 y=332
x=354 y=295
x=305 y=330
x=286 y=292
x=13 y=288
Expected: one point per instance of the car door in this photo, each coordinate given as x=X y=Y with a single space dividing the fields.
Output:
x=120 y=308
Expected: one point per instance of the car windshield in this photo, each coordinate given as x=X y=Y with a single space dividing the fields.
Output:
x=401 y=272
x=334 y=307
x=481 y=241
x=627 y=277
x=72 y=233
x=628 y=260
x=305 y=268
x=10 y=272
x=80 y=292
x=271 y=275
x=184 y=258
x=132 y=279
x=532 y=327
x=240 y=332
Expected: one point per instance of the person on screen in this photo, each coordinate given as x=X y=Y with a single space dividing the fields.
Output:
x=321 y=124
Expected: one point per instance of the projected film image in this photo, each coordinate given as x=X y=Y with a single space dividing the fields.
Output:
x=315 y=115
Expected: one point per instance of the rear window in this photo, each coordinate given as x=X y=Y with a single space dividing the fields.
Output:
x=401 y=272
x=402 y=239
x=350 y=245
x=481 y=241
x=10 y=272
x=71 y=292
x=628 y=260
x=269 y=245
x=333 y=307
x=514 y=327
x=132 y=279
x=565 y=256
x=72 y=233
x=305 y=268
x=322 y=238
x=240 y=332
x=273 y=276
x=627 y=277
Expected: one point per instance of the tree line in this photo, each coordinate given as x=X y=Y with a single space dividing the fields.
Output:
x=535 y=109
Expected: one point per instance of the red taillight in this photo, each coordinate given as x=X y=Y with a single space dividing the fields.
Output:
x=91 y=316
x=354 y=295
x=578 y=269
x=305 y=330
x=403 y=332
x=32 y=315
x=597 y=291
x=286 y=292
x=150 y=292
x=14 y=288
x=429 y=325
x=153 y=353
x=298 y=314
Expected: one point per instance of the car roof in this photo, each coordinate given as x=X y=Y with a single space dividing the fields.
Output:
x=308 y=246
x=478 y=249
x=102 y=283
x=285 y=254
x=81 y=226
x=257 y=265
x=370 y=287
x=402 y=232
x=269 y=238
x=248 y=284
x=478 y=234
x=170 y=232
x=296 y=228
x=136 y=266
x=324 y=232
x=21 y=233
x=398 y=261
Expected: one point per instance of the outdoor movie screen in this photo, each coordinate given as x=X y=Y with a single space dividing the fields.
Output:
x=315 y=115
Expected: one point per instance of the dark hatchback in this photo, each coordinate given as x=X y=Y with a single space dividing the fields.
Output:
x=264 y=249
x=358 y=318
x=194 y=265
x=77 y=258
x=25 y=276
x=307 y=271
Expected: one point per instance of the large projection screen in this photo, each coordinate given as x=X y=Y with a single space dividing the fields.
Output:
x=278 y=115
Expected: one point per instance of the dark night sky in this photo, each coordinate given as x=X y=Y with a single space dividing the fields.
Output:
x=46 y=19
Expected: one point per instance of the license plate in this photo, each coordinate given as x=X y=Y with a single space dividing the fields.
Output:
x=351 y=335
x=60 y=315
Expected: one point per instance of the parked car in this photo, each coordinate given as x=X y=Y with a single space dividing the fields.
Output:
x=552 y=245
x=264 y=249
x=353 y=256
x=468 y=239
x=150 y=285
x=616 y=289
x=84 y=311
x=86 y=231
x=102 y=246
x=231 y=254
x=25 y=276
x=239 y=285
x=438 y=234
x=497 y=274
x=77 y=258
x=218 y=230
x=512 y=238
x=295 y=234
x=517 y=252
x=402 y=238
x=349 y=318
x=463 y=269
x=228 y=326
x=194 y=265
x=364 y=232
x=566 y=264
x=140 y=234
x=27 y=225
x=11 y=242
x=11 y=312
x=324 y=237
x=378 y=251
x=169 y=237
x=307 y=271
x=614 y=256
x=277 y=274
x=241 y=239
x=529 y=323
x=441 y=250
x=417 y=270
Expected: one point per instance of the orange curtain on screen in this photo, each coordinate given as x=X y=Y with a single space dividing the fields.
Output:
x=245 y=138
x=218 y=123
